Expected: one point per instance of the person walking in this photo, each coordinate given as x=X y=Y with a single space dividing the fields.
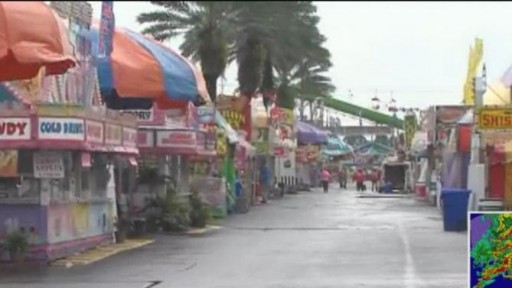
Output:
x=326 y=177
x=375 y=177
x=359 y=177
x=343 y=178
x=264 y=182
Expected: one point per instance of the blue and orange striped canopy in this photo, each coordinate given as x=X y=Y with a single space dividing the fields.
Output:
x=141 y=71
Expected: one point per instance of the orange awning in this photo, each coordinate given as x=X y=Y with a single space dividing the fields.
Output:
x=32 y=36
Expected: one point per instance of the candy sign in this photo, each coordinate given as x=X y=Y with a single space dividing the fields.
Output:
x=15 y=129
x=142 y=115
x=61 y=129
x=48 y=165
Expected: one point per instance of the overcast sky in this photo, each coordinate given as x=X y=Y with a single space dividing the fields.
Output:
x=418 y=50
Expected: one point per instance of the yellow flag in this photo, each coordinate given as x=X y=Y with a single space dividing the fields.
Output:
x=471 y=63
x=479 y=51
x=468 y=91
x=475 y=57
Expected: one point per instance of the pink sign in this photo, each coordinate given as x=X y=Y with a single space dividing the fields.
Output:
x=145 y=138
x=15 y=129
x=113 y=134
x=94 y=132
x=176 y=139
x=129 y=137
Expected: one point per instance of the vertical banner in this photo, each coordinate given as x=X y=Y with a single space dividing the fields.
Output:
x=475 y=57
x=9 y=163
x=107 y=25
x=410 y=129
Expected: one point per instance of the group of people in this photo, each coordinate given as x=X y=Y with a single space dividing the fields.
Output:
x=359 y=177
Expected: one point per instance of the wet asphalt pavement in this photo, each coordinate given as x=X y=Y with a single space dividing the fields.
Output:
x=313 y=239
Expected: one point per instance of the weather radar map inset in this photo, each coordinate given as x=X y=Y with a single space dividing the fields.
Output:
x=490 y=249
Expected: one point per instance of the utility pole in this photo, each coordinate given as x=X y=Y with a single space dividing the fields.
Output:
x=479 y=88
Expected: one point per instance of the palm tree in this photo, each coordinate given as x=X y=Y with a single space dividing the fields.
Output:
x=305 y=81
x=207 y=28
x=300 y=60
x=271 y=32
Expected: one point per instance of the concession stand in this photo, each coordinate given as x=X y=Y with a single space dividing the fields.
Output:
x=57 y=181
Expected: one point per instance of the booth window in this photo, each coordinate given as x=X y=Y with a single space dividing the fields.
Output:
x=61 y=189
x=85 y=179
x=101 y=175
x=26 y=162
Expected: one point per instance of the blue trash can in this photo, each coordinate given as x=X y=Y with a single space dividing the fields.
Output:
x=388 y=188
x=455 y=208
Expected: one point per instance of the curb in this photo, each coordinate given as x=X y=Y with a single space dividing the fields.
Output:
x=101 y=252
x=368 y=195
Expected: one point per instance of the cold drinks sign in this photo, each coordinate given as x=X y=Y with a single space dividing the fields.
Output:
x=495 y=118
x=15 y=129
x=61 y=129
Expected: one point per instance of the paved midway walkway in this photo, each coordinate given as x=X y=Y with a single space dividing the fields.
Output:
x=333 y=240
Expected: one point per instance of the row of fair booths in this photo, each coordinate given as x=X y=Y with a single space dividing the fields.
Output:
x=319 y=149
x=463 y=152
x=79 y=120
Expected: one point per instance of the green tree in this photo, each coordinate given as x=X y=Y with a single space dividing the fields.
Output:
x=207 y=28
x=280 y=35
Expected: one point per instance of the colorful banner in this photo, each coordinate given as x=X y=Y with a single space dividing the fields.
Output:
x=107 y=26
x=221 y=142
x=239 y=121
x=283 y=121
x=9 y=163
x=410 y=129
x=261 y=140
x=312 y=152
x=475 y=57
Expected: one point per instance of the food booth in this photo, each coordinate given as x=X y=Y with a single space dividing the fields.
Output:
x=58 y=175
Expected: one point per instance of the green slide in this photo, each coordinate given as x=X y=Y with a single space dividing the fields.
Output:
x=364 y=113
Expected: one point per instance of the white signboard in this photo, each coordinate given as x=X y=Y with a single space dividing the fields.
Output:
x=61 y=129
x=48 y=165
x=142 y=115
x=15 y=129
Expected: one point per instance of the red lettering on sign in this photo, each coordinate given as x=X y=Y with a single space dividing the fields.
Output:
x=496 y=121
x=181 y=138
x=9 y=128
x=94 y=131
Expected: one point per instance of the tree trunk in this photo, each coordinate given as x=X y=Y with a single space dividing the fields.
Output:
x=301 y=108
x=311 y=115
x=211 y=85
